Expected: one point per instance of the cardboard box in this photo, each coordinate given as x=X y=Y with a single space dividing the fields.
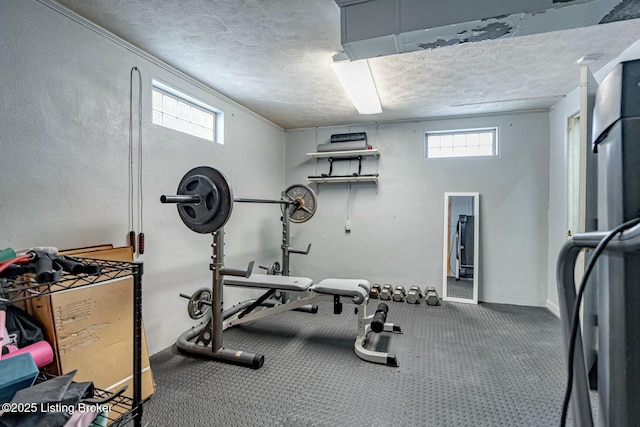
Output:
x=91 y=330
x=85 y=249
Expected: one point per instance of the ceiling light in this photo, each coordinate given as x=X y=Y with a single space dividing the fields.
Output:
x=356 y=79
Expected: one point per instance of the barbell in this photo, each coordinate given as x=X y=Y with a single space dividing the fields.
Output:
x=205 y=200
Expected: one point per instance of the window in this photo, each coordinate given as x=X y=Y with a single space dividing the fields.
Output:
x=177 y=111
x=461 y=143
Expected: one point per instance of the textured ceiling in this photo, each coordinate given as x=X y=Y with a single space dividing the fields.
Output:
x=273 y=57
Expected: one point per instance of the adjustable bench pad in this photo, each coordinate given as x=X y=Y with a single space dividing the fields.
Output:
x=357 y=289
x=264 y=281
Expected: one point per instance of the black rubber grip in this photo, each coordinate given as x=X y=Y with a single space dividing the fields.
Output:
x=132 y=240
x=70 y=265
x=44 y=268
x=75 y=266
x=141 y=243
x=257 y=362
x=379 y=318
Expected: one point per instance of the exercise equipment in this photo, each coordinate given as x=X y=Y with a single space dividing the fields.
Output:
x=386 y=293
x=41 y=352
x=199 y=303
x=303 y=201
x=46 y=267
x=379 y=318
x=131 y=161
x=414 y=295
x=375 y=291
x=336 y=291
x=398 y=294
x=273 y=269
x=431 y=296
x=205 y=200
x=345 y=137
x=616 y=136
x=205 y=203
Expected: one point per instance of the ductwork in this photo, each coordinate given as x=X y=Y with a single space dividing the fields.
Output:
x=371 y=28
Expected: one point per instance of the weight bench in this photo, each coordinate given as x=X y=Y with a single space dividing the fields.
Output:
x=355 y=291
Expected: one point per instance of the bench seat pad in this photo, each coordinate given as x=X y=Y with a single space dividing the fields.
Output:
x=264 y=281
x=357 y=289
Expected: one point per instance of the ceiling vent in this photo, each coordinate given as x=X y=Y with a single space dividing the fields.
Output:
x=371 y=28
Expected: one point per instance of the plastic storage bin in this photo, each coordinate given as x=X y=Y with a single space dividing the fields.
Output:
x=16 y=373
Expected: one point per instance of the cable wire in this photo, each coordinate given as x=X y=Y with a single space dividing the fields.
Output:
x=575 y=318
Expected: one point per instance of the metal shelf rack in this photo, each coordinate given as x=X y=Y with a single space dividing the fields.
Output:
x=333 y=156
x=123 y=409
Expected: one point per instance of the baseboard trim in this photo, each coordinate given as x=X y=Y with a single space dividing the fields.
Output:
x=553 y=308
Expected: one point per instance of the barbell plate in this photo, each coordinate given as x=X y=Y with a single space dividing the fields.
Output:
x=199 y=303
x=274 y=269
x=305 y=204
x=216 y=199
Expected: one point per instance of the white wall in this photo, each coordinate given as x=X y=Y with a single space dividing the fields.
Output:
x=397 y=234
x=64 y=119
x=558 y=117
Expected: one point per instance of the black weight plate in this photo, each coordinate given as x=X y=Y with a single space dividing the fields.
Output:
x=274 y=269
x=216 y=200
x=206 y=209
x=196 y=308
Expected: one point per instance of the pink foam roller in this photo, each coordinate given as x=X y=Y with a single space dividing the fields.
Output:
x=41 y=352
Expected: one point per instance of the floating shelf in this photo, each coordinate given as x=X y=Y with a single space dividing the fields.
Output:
x=337 y=179
x=350 y=153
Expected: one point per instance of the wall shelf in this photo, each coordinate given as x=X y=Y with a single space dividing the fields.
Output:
x=339 y=154
x=338 y=179
x=335 y=156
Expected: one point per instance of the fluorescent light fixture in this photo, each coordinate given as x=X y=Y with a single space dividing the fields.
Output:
x=356 y=79
x=590 y=58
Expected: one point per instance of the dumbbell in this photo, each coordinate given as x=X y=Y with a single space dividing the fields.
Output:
x=380 y=317
x=375 y=291
x=386 y=292
x=414 y=295
x=431 y=296
x=399 y=293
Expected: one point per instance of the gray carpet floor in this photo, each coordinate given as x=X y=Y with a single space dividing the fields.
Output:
x=460 y=365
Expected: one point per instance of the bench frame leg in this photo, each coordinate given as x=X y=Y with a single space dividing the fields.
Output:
x=364 y=324
x=364 y=329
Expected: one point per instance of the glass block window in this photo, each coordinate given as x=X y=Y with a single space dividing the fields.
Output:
x=180 y=112
x=461 y=143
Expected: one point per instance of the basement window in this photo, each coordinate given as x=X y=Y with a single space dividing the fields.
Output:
x=177 y=111
x=461 y=143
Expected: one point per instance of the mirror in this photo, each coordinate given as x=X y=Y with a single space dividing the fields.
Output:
x=460 y=251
